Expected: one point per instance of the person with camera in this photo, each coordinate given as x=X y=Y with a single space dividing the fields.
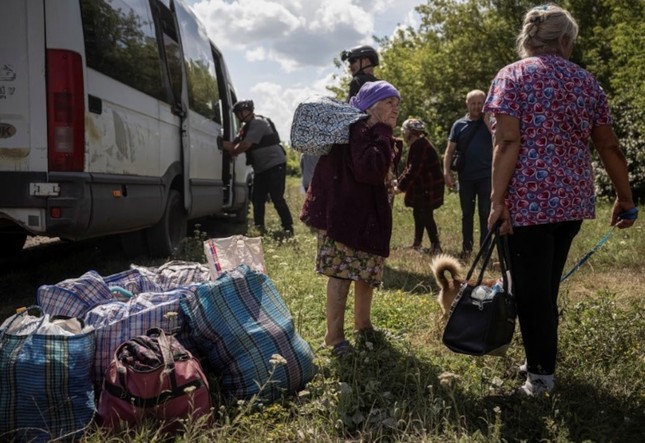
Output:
x=362 y=61
x=259 y=139
x=469 y=153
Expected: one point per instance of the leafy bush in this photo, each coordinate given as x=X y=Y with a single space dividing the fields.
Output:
x=629 y=124
x=293 y=162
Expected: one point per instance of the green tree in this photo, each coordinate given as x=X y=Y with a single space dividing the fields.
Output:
x=461 y=44
x=611 y=47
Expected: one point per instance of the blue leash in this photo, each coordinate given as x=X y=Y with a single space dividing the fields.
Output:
x=632 y=214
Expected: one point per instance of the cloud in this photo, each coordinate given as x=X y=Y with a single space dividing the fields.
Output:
x=279 y=102
x=281 y=51
x=293 y=33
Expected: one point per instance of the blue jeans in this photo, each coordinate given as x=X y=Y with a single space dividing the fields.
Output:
x=468 y=192
x=538 y=255
x=271 y=182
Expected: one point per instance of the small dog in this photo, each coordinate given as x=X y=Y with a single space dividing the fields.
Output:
x=442 y=264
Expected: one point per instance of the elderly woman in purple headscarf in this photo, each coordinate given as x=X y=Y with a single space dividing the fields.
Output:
x=349 y=202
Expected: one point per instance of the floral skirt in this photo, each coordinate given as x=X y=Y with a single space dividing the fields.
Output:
x=335 y=259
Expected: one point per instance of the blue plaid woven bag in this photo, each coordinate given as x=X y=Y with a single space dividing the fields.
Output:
x=240 y=323
x=45 y=387
x=320 y=122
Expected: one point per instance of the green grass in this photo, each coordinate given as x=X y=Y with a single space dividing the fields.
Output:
x=405 y=386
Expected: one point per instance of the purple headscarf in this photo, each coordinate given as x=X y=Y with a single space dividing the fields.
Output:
x=373 y=92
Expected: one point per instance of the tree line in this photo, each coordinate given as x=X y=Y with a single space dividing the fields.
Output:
x=460 y=45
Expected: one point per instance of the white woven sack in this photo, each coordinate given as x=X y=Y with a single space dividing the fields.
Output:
x=319 y=122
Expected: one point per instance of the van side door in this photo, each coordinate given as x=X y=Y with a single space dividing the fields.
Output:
x=202 y=158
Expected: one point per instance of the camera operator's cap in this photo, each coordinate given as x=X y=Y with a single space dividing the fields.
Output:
x=359 y=52
x=373 y=92
x=414 y=124
x=242 y=105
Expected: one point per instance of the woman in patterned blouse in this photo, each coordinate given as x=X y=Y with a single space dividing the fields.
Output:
x=546 y=110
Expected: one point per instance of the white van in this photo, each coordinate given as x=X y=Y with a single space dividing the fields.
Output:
x=111 y=113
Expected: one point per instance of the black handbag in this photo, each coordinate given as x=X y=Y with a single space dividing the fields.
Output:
x=482 y=319
x=457 y=163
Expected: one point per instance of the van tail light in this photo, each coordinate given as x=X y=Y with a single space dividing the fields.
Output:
x=65 y=111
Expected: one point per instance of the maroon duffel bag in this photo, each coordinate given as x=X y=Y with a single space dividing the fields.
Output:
x=153 y=376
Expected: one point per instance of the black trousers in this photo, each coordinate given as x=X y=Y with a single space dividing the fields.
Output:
x=468 y=192
x=538 y=256
x=424 y=220
x=271 y=182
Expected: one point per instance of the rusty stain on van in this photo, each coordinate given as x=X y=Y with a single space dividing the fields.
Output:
x=14 y=152
x=91 y=131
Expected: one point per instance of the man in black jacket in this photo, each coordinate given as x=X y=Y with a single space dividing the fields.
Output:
x=362 y=60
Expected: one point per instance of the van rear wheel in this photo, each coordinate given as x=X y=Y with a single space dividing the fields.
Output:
x=167 y=235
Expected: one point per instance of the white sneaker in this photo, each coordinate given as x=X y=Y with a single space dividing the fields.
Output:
x=537 y=385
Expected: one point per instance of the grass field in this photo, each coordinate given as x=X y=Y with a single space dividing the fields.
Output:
x=406 y=386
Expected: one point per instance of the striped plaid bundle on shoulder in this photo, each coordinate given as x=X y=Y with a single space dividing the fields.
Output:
x=240 y=323
x=319 y=122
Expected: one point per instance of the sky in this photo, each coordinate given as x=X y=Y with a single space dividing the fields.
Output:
x=280 y=52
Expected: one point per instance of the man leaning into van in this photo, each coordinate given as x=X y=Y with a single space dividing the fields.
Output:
x=259 y=139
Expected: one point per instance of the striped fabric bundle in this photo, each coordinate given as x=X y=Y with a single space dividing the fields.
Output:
x=45 y=387
x=75 y=296
x=240 y=322
x=154 y=303
x=116 y=322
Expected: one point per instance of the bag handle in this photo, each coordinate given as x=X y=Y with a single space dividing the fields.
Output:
x=168 y=363
x=484 y=254
x=164 y=347
x=469 y=137
x=166 y=352
x=504 y=254
x=20 y=312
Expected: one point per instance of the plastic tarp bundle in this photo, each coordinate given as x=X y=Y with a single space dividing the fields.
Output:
x=227 y=253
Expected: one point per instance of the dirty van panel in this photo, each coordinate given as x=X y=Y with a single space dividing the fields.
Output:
x=134 y=133
x=23 y=140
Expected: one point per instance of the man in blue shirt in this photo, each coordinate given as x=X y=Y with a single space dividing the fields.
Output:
x=471 y=137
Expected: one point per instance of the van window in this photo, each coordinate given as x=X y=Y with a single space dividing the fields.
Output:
x=172 y=50
x=120 y=42
x=203 y=89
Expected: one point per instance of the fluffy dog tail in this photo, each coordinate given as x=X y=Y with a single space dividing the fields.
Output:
x=446 y=263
